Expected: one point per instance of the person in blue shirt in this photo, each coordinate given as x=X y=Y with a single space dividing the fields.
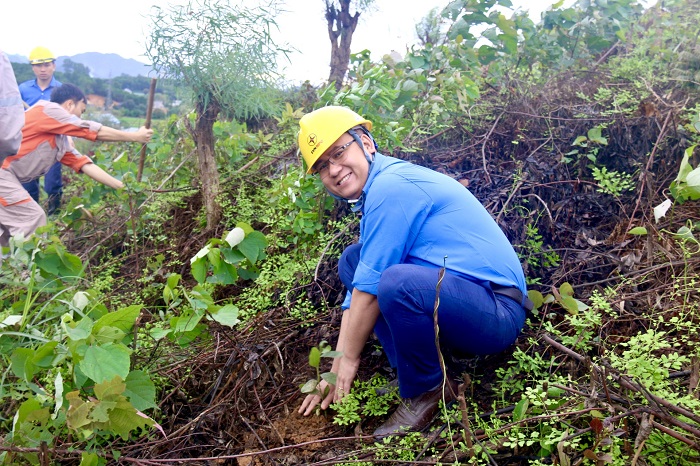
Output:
x=43 y=65
x=423 y=236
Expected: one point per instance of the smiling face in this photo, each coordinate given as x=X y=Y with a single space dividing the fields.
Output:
x=345 y=174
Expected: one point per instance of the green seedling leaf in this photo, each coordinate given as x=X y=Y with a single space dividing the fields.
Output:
x=173 y=280
x=309 y=386
x=570 y=304
x=684 y=233
x=520 y=410
x=596 y=135
x=314 y=357
x=330 y=377
x=331 y=354
x=536 y=298
x=579 y=142
x=566 y=289
x=638 y=231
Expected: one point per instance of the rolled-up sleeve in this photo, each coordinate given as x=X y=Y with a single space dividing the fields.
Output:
x=11 y=110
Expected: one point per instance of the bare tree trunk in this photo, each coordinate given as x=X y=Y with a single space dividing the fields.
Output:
x=204 y=141
x=341 y=25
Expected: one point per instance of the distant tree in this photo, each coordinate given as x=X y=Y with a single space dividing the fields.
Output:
x=429 y=29
x=23 y=72
x=341 y=25
x=77 y=74
x=225 y=55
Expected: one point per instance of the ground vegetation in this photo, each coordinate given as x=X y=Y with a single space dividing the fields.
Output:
x=583 y=149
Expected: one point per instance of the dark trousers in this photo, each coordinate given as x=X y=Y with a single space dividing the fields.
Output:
x=471 y=319
x=53 y=185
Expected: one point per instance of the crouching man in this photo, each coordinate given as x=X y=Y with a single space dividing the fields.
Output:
x=414 y=221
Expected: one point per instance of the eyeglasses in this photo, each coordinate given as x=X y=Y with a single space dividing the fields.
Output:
x=335 y=158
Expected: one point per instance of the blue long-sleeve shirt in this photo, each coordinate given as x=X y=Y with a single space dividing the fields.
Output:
x=414 y=215
x=32 y=93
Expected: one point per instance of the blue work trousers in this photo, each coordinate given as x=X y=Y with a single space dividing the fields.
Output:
x=53 y=185
x=471 y=319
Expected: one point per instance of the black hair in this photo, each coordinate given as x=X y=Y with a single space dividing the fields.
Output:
x=66 y=92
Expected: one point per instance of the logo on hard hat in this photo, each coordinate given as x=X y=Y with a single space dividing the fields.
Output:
x=311 y=139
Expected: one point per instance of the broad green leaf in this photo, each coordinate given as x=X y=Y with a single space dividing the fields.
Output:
x=123 y=319
x=110 y=389
x=226 y=315
x=104 y=362
x=108 y=335
x=124 y=418
x=21 y=363
x=140 y=390
x=186 y=322
x=253 y=246
x=77 y=331
x=44 y=355
x=199 y=270
x=89 y=459
x=78 y=411
x=331 y=354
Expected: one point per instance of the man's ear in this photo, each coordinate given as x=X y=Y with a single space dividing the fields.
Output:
x=69 y=105
x=367 y=143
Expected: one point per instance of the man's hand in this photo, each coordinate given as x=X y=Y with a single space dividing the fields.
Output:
x=143 y=135
x=347 y=371
x=312 y=400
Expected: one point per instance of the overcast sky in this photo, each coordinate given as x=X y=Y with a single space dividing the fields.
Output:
x=120 y=26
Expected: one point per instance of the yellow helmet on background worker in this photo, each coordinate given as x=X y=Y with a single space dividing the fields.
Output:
x=319 y=129
x=41 y=55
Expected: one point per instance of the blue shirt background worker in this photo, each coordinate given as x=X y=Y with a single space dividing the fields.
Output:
x=43 y=65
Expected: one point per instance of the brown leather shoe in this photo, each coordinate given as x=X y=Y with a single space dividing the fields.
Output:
x=415 y=413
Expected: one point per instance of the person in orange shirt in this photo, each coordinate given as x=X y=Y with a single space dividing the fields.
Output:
x=46 y=140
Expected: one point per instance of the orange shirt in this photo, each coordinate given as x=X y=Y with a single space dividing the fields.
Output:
x=45 y=141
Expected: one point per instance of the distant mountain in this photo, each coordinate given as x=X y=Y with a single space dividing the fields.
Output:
x=101 y=65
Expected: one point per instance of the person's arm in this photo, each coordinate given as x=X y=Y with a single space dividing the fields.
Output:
x=107 y=134
x=355 y=327
x=11 y=110
x=101 y=176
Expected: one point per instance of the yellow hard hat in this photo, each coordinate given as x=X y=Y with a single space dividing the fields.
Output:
x=319 y=129
x=41 y=55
